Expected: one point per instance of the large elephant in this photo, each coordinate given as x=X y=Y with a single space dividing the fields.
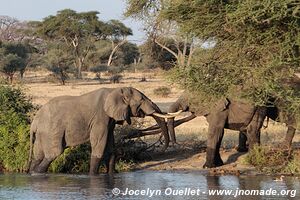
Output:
x=226 y=113
x=72 y=120
x=273 y=112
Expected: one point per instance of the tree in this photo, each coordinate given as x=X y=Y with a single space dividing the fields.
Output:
x=124 y=55
x=158 y=27
x=59 y=61
x=79 y=31
x=256 y=52
x=13 y=57
x=154 y=56
x=117 y=33
x=10 y=29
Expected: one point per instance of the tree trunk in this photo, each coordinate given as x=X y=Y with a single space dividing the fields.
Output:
x=114 y=49
x=79 y=68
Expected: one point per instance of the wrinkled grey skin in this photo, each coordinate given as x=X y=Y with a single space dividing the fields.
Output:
x=225 y=114
x=273 y=113
x=72 y=120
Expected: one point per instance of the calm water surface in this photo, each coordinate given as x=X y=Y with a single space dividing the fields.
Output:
x=164 y=185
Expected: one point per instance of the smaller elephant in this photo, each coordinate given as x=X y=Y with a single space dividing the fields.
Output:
x=273 y=113
x=68 y=121
x=226 y=113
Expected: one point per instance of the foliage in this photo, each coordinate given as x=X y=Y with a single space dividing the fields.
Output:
x=125 y=54
x=81 y=31
x=154 y=56
x=117 y=29
x=98 y=69
x=15 y=112
x=162 y=91
x=13 y=58
x=77 y=30
x=273 y=160
x=59 y=62
x=256 y=51
x=72 y=160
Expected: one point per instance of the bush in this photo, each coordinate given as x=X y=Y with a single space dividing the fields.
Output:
x=73 y=159
x=116 y=78
x=98 y=69
x=162 y=91
x=273 y=160
x=15 y=112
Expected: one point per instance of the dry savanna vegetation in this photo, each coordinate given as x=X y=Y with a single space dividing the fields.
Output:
x=248 y=50
x=191 y=135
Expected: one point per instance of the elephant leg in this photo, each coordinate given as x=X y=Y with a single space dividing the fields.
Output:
x=218 y=160
x=34 y=164
x=253 y=129
x=110 y=165
x=38 y=156
x=215 y=135
x=289 y=136
x=98 y=140
x=94 y=165
x=43 y=166
x=51 y=148
x=110 y=150
x=242 y=147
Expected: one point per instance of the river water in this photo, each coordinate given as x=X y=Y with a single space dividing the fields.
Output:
x=147 y=185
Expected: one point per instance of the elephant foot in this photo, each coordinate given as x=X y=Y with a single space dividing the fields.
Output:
x=33 y=173
x=213 y=165
x=242 y=149
x=208 y=165
x=219 y=163
x=111 y=172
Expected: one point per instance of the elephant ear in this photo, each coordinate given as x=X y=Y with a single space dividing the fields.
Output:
x=116 y=104
x=222 y=105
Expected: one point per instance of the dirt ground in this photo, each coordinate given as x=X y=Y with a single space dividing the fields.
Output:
x=190 y=155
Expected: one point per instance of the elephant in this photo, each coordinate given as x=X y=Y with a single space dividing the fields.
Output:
x=273 y=112
x=226 y=113
x=68 y=121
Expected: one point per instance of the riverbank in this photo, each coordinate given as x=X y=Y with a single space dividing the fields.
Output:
x=192 y=157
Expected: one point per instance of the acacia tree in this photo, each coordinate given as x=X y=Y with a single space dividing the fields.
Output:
x=117 y=33
x=256 y=52
x=158 y=28
x=79 y=31
x=13 y=58
x=59 y=61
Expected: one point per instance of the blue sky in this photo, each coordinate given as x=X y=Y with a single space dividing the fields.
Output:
x=38 y=9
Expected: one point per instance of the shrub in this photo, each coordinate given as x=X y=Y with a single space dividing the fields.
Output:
x=273 y=160
x=73 y=159
x=115 y=78
x=15 y=112
x=98 y=69
x=162 y=91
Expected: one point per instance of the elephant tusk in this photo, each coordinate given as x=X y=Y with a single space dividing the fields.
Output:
x=166 y=116
x=175 y=113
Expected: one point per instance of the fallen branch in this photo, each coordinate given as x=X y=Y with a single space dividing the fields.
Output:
x=153 y=130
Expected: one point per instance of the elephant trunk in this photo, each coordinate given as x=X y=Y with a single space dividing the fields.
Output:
x=162 y=124
x=170 y=122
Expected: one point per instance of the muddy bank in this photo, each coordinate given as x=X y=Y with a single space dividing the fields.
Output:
x=189 y=158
